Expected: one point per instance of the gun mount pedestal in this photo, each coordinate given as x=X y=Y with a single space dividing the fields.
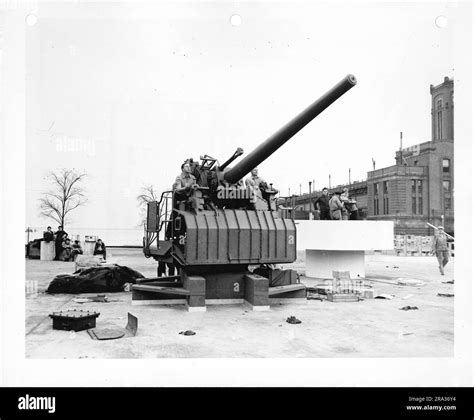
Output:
x=214 y=288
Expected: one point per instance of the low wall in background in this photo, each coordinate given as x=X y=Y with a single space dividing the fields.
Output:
x=111 y=237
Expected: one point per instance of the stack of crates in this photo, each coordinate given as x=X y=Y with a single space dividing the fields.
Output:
x=410 y=242
x=418 y=245
x=426 y=245
x=399 y=245
x=408 y=245
x=344 y=289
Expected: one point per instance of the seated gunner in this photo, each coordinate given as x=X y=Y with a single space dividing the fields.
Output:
x=185 y=180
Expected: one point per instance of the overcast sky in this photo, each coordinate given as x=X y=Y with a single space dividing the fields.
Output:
x=126 y=93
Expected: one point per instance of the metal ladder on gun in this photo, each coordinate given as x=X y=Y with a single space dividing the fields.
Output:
x=158 y=218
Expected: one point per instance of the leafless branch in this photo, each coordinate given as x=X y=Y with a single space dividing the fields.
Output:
x=65 y=196
x=146 y=195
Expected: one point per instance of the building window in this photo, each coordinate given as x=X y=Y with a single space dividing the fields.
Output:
x=447 y=195
x=420 y=196
x=385 y=206
x=447 y=203
x=385 y=197
x=417 y=196
x=376 y=199
x=439 y=118
x=446 y=166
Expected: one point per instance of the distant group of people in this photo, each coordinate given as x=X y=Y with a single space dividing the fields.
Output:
x=337 y=207
x=65 y=250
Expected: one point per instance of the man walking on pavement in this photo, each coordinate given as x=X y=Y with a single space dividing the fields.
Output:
x=440 y=248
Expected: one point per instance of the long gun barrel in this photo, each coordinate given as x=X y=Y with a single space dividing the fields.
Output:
x=273 y=143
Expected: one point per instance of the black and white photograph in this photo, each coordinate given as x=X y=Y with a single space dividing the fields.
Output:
x=236 y=193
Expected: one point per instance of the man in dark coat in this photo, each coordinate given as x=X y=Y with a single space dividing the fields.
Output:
x=100 y=249
x=76 y=250
x=59 y=234
x=322 y=205
x=48 y=235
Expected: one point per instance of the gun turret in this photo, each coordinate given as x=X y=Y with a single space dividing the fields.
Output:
x=274 y=142
x=222 y=225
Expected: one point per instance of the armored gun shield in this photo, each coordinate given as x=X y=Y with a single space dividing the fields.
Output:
x=233 y=237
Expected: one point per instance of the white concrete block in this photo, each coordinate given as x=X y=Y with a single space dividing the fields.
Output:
x=47 y=251
x=196 y=308
x=345 y=235
x=224 y=301
x=257 y=308
x=159 y=302
x=289 y=301
x=321 y=263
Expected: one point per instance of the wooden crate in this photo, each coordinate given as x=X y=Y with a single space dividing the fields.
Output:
x=342 y=297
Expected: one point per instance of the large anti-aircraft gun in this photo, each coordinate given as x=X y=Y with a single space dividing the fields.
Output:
x=212 y=231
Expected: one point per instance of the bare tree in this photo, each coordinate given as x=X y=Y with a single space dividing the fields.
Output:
x=146 y=195
x=66 y=195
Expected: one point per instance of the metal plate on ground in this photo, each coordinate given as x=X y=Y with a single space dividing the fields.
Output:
x=130 y=330
x=132 y=325
x=106 y=333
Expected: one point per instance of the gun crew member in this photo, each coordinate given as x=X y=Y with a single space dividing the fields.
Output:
x=321 y=205
x=255 y=180
x=336 y=206
x=185 y=180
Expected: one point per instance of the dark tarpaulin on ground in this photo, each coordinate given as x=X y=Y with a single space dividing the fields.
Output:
x=94 y=280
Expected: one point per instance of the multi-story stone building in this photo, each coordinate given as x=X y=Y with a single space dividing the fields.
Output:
x=419 y=187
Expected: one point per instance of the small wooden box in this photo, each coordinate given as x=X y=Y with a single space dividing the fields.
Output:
x=342 y=297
